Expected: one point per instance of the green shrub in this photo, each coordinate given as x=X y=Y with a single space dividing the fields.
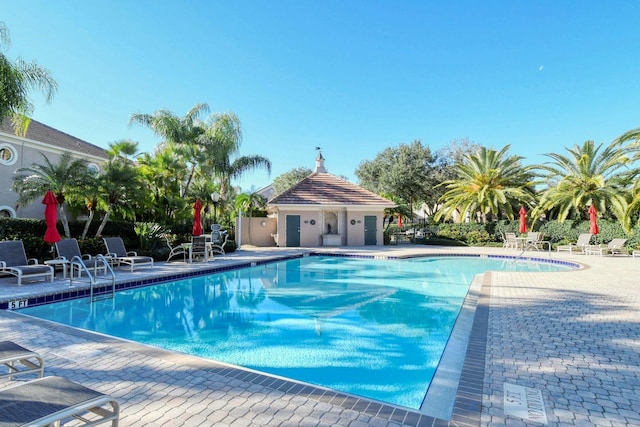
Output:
x=469 y=233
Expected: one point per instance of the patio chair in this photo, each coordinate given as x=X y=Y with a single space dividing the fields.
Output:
x=535 y=240
x=579 y=246
x=510 y=241
x=19 y=360
x=69 y=250
x=218 y=241
x=199 y=248
x=181 y=249
x=13 y=260
x=119 y=254
x=50 y=400
x=614 y=247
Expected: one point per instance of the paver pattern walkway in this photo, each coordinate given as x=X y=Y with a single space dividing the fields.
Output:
x=572 y=335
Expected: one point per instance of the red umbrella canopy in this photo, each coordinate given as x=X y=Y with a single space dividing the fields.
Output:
x=197 y=223
x=51 y=217
x=593 y=212
x=523 y=220
x=399 y=221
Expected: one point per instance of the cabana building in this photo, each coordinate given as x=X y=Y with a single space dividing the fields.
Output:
x=325 y=210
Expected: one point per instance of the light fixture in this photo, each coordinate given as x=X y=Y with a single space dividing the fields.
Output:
x=215 y=197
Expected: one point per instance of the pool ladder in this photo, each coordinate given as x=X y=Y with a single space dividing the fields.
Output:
x=101 y=262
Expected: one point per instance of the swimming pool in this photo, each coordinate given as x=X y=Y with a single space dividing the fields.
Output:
x=375 y=328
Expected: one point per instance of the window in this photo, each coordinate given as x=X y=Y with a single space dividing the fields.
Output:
x=8 y=154
x=7 y=212
x=93 y=168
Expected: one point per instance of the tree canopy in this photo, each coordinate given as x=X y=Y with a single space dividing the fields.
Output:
x=488 y=182
x=290 y=178
x=409 y=171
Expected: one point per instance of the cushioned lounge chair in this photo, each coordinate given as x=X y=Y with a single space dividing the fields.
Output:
x=119 y=254
x=49 y=400
x=13 y=260
x=579 y=246
x=19 y=361
x=614 y=247
x=69 y=250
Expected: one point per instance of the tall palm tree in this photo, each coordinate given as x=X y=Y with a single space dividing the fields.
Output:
x=67 y=178
x=221 y=141
x=16 y=80
x=181 y=133
x=489 y=182
x=587 y=176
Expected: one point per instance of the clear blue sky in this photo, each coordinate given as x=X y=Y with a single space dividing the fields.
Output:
x=353 y=77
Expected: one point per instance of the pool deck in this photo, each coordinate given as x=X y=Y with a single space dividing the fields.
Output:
x=572 y=336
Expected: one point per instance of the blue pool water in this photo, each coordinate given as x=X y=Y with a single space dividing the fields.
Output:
x=375 y=328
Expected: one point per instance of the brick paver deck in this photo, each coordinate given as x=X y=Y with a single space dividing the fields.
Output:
x=571 y=335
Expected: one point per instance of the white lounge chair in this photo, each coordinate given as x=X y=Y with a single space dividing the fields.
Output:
x=19 y=361
x=49 y=400
x=614 y=247
x=579 y=246
x=13 y=260
x=119 y=254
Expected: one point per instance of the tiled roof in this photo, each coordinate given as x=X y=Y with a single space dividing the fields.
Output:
x=326 y=189
x=42 y=133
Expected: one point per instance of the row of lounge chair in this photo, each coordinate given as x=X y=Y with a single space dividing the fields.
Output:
x=583 y=245
x=48 y=401
x=535 y=240
x=13 y=259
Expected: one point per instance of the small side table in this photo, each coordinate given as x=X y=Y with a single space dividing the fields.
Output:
x=64 y=263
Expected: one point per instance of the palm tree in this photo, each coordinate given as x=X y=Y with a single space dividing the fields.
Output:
x=68 y=178
x=221 y=141
x=488 y=182
x=119 y=189
x=630 y=141
x=179 y=133
x=16 y=80
x=163 y=174
x=587 y=176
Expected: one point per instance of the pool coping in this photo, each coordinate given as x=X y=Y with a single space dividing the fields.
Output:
x=468 y=402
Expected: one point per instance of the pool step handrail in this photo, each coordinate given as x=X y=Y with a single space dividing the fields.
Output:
x=100 y=262
x=519 y=256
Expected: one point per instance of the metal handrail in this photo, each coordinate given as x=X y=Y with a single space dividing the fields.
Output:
x=77 y=260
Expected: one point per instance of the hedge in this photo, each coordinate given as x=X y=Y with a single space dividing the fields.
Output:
x=490 y=234
x=31 y=232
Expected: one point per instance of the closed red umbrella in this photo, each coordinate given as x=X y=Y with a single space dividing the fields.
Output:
x=593 y=212
x=197 y=223
x=51 y=217
x=399 y=221
x=523 y=220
